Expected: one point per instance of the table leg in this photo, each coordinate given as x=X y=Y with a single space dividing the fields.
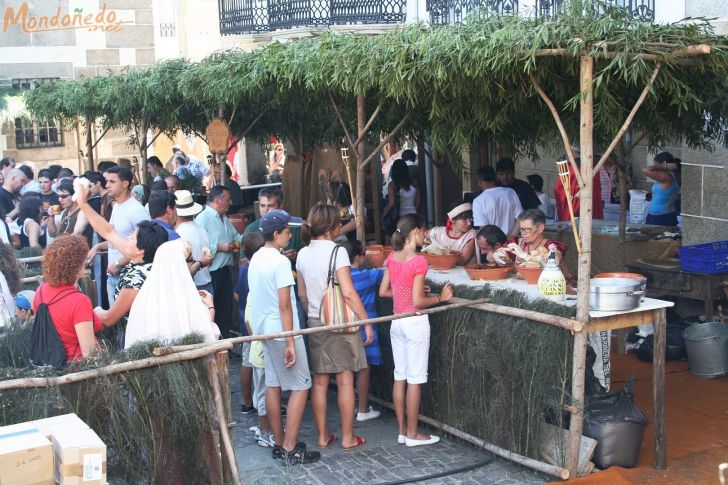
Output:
x=709 y=300
x=658 y=383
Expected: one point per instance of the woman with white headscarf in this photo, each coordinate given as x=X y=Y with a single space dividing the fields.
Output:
x=169 y=306
x=458 y=233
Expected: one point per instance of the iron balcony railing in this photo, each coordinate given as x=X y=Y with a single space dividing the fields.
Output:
x=258 y=16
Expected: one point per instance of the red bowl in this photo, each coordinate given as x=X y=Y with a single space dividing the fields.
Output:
x=387 y=251
x=442 y=262
x=531 y=275
x=477 y=272
x=375 y=255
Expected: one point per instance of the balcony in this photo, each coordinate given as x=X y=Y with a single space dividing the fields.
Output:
x=261 y=16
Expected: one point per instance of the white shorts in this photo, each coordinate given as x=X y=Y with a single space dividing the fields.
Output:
x=246 y=355
x=259 y=391
x=410 y=348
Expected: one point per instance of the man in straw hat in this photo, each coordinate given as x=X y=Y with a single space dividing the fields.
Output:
x=197 y=236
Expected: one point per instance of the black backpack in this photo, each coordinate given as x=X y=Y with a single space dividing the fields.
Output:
x=45 y=344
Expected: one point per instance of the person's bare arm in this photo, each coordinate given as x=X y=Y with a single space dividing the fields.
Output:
x=658 y=174
x=385 y=287
x=419 y=298
x=467 y=254
x=86 y=338
x=119 y=309
x=52 y=228
x=390 y=200
x=33 y=231
x=81 y=224
x=103 y=228
x=286 y=311
x=302 y=292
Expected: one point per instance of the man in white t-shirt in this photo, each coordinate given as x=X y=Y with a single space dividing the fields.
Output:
x=273 y=310
x=499 y=206
x=125 y=217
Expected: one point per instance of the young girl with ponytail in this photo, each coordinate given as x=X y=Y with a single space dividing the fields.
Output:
x=404 y=282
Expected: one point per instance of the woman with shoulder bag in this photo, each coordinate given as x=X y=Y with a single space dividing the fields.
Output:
x=341 y=354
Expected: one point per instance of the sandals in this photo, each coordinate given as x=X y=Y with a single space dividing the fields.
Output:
x=332 y=439
x=359 y=441
x=299 y=456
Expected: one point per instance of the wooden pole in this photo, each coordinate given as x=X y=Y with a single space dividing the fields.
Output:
x=191 y=354
x=561 y=322
x=374 y=172
x=658 y=387
x=361 y=123
x=586 y=65
x=322 y=329
x=225 y=441
x=497 y=450
x=223 y=371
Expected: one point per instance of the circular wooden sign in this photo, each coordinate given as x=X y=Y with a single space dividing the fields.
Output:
x=218 y=134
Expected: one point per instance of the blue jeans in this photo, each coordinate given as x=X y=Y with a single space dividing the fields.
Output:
x=111 y=282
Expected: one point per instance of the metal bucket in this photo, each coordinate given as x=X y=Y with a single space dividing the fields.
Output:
x=707 y=346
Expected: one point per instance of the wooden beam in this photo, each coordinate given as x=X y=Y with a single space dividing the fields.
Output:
x=560 y=125
x=553 y=470
x=630 y=117
x=624 y=320
x=675 y=57
x=586 y=90
x=658 y=387
x=561 y=322
x=226 y=442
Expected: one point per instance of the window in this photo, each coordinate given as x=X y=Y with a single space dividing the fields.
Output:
x=38 y=134
x=35 y=133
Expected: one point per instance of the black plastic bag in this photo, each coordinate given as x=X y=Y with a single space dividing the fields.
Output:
x=45 y=344
x=592 y=386
x=615 y=421
x=675 y=349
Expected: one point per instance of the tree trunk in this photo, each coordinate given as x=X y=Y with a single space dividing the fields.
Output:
x=622 y=172
x=89 y=142
x=586 y=65
x=143 y=148
x=361 y=121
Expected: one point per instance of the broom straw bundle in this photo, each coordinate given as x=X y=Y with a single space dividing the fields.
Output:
x=347 y=165
x=562 y=167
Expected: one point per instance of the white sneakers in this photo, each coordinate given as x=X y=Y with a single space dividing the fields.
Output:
x=266 y=441
x=403 y=440
x=371 y=414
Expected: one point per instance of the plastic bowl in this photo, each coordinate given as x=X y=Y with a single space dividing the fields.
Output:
x=442 y=262
x=476 y=272
x=531 y=275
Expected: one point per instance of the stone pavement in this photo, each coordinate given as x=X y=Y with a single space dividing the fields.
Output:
x=379 y=461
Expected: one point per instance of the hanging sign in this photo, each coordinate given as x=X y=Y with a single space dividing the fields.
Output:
x=218 y=134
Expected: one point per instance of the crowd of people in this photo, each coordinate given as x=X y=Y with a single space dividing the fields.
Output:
x=166 y=266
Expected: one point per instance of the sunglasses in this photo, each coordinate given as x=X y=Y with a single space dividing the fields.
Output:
x=63 y=196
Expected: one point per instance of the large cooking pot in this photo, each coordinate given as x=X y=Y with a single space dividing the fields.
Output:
x=615 y=294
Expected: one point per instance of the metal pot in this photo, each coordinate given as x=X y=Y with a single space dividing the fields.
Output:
x=615 y=294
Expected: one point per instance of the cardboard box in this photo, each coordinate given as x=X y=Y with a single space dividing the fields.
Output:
x=80 y=456
x=26 y=458
x=46 y=425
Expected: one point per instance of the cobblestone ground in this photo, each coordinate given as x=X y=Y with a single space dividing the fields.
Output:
x=379 y=461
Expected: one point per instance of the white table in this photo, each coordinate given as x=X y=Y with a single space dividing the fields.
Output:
x=650 y=311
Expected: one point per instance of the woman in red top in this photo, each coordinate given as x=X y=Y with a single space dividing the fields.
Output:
x=70 y=309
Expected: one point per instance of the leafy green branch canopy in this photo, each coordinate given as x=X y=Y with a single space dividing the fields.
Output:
x=459 y=83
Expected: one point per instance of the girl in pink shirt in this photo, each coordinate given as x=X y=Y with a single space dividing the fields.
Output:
x=404 y=282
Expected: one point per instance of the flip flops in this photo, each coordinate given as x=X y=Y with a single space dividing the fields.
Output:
x=332 y=439
x=359 y=441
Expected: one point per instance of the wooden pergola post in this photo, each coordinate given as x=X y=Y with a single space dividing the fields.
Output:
x=586 y=79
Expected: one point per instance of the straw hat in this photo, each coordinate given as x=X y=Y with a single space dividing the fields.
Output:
x=186 y=205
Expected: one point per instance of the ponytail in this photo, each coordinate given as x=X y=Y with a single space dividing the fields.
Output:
x=405 y=226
